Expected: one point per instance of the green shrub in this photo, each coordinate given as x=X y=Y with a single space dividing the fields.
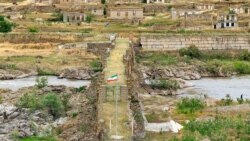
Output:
x=191 y=51
x=41 y=82
x=245 y=56
x=89 y=18
x=165 y=84
x=190 y=105
x=45 y=72
x=29 y=100
x=242 y=67
x=53 y=104
x=33 y=29
x=65 y=101
x=103 y=1
x=96 y=65
x=227 y=101
x=2 y=18
x=75 y=114
x=240 y=100
x=5 y=26
x=81 y=89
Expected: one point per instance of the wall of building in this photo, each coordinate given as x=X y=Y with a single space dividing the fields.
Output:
x=126 y=14
x=203 y=42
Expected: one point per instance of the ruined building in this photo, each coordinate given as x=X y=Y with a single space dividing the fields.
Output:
x=226 y=21
x=126 y=14
x=156 y=1
x=74 y=17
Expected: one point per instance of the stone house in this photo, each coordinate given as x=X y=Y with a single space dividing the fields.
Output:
x=74 y=17
x=204 y=6
x=123 y=1
x=156 y=1
x=226 y=21
x=243 y=9
x=79 y=2
x=126 y=13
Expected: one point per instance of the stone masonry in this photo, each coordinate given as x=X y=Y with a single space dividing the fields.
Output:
x=203 y=42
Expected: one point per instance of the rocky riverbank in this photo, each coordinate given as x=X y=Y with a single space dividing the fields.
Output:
x=185 y=73
x=69 y=73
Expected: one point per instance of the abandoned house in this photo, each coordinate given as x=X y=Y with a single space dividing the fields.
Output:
x=123 y=1
x=203 y=6
x=79 y=2
x=122 y=13
x=156 y=1
x=226 y=21
x=74 y=17
x=241 y=9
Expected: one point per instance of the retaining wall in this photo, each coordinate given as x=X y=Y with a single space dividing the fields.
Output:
x=203 y=42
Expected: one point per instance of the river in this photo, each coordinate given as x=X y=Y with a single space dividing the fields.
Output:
x=218 y=88
x=16 y=84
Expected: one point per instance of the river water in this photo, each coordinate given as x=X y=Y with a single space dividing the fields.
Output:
x=218 y=88
x=16 y=84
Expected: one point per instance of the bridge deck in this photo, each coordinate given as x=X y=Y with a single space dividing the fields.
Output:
x=116 y=115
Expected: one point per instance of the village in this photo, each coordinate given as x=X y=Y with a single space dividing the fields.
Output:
x=129 y=70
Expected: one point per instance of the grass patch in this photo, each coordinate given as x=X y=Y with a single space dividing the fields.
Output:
x=221 y=129
x=49 y=138
x=190 y=105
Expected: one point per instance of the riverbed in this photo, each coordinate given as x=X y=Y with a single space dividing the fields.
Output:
x=17 y=84
x=218 y=88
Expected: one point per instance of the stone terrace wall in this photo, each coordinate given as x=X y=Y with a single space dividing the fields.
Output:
x=42 y=37
x=203 y=42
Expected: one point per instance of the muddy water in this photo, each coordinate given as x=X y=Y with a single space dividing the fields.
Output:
x=219 y=87
x=31 y=81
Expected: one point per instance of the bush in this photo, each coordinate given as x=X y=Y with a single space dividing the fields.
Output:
x=103 y=1
x=242 y=67
x=41 y=82
x=245 y=56
x=190 y=105
x=81 y=89
x=227 y=101
x=165 y=84
x=29 y=100
x=5 y=26
x=33 y=29
x=89 y=18
x=191 y=51
x=53 y=104
x=96 y=65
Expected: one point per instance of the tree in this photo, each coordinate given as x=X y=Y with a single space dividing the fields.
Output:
x=5 y=26
x=103 y=1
